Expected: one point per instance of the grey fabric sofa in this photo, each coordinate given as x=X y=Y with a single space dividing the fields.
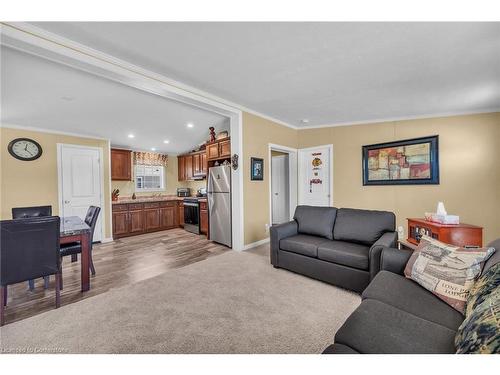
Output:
x=339 y=246
x=398 y=316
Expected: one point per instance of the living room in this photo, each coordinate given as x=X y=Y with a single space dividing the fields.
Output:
x=386 y=239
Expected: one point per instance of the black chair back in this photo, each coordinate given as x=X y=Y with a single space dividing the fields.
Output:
x=25 y=212
x=91 y=219
x=29 y=249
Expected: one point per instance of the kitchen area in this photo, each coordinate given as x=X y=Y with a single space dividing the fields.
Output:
x=154 y=192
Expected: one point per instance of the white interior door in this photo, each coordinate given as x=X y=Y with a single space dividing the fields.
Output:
x=80 y=182
x=279 y=189
x=315 y=176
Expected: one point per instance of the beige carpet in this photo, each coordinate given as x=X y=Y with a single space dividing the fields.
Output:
x=231 y=303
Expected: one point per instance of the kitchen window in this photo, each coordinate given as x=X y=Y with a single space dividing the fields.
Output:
x=149 y=178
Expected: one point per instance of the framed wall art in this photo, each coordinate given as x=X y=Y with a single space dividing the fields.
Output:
x=256 y=169
x=407 y=162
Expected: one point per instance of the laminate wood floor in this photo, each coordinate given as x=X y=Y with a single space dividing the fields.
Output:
x=120 y=263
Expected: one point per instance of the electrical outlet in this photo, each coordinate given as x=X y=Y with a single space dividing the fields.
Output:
x=401 y=232
x=266 y=225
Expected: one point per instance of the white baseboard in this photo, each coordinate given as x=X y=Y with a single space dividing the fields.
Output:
x=255 y=244
x=105 y=240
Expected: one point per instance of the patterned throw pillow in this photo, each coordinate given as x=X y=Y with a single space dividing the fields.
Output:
x=480 y=331
x=449 y=272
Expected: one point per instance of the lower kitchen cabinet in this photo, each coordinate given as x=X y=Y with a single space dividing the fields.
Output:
x=120 y=224
x=203 y=218
x=181 y=214
x=136 y=218
x=168 y=215
x=136 y=221
x=152 y=220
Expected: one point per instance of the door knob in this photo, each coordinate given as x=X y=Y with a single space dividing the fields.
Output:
x=275 y=193
x=66 y=202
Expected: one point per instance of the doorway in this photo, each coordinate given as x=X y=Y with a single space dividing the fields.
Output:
x=282 y=183
x=80 y=182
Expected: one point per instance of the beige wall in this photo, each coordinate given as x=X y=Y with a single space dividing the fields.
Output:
x=30 y=183
x=469 y=155
x=257 y=134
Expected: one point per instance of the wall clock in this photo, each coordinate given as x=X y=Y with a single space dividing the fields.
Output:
x=25 y=149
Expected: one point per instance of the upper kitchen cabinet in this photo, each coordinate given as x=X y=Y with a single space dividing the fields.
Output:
x=220 y=149
x=121 y=164
x=192 y=166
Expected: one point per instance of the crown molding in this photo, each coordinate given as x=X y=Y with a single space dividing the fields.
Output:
x=50 y=131
x=404 y=118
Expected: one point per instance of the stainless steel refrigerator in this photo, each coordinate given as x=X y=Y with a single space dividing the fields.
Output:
x=219 y=204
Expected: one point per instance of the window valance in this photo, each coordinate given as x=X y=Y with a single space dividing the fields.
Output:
x=150 y=158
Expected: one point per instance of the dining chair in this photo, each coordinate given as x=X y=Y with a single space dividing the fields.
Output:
x=29 y=249
x=27 y=212
x=35 y=211
x=75 y=248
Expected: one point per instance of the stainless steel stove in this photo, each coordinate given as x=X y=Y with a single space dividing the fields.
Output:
x=192 y=215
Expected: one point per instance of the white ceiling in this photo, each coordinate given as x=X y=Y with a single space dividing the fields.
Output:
x=328 y=73
x=39 y=93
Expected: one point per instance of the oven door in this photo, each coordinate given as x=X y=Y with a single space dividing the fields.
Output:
x=192 y=217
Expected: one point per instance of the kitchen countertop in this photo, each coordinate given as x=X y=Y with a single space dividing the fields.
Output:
x=163 y=198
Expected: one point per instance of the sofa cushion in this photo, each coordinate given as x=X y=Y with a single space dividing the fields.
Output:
x=407 y=295
x=480 y=331
x=339 y=349
x=447 y=271
x=316 y=221
x=375 y=327
x=302 y=244
x=495 y=258
x=362 y=226
x=344 y=253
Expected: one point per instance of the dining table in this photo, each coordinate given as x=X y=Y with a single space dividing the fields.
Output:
x=74 y=229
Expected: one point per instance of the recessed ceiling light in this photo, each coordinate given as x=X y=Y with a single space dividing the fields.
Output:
x=190 y=125
x=131 y=136
x=166 y=141
x=305 y=121
x=153 y=149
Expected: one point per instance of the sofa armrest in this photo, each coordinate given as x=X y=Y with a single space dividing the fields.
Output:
x=388 y=239
x=394 y=260
x=278 y=232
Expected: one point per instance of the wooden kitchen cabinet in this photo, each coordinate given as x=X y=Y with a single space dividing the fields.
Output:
x=192 y=165
x=136 y=218
x=121 y=165
x=130 y=219
x=225 y=148
x=120 y=223
x=181 y=214
x=203 y=218
x=151 y=216
x=220 y=149
x=213 y=151
x=189 y=167
x=204 y=165
x=181 y=165
x=168 y=215
x=196 y=164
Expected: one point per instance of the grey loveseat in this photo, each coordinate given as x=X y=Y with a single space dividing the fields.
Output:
x=398 y=316
x=339 y=246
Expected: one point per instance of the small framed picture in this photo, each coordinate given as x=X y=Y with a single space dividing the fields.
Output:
x=256 y=169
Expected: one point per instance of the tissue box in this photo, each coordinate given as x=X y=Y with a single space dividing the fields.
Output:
x=442 y=219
